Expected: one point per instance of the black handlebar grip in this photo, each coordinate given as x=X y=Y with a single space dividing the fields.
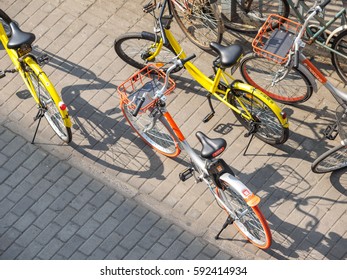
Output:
x=138 y=107
x=185 y=60
x=326 y=2
x=5 y=17
x=296 y=59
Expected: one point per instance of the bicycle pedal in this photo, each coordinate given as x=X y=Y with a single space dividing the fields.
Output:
x=331 y=132
x=208 y=117
x=186 y=174
x=42 y=60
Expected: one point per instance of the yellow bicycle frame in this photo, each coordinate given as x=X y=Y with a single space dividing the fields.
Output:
x=28 y=59
x=212 y=85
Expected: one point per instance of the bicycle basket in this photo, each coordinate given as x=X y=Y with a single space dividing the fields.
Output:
x=341 y=118
x=275 y=38
x=147 y=80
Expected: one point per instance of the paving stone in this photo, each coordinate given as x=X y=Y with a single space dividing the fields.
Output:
x=28 y=236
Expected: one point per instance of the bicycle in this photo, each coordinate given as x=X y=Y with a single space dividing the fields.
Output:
x=200 y=20
x=333 y=41
x=18 y=45
x=253 y=109
x=143 y=103
x=281 y=70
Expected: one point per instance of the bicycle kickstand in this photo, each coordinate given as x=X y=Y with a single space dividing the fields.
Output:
x=211 y=114
x=229 y=221
x=251 y=133
x=40 y=114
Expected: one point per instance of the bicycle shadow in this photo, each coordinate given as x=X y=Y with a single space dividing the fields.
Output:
x=99 y=131
x=300 y=221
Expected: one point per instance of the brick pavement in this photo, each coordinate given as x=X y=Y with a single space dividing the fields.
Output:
x=306 y=211
x=51 y=210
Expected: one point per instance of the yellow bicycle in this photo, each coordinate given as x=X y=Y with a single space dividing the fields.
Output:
x=18 y=45
x=254 y=109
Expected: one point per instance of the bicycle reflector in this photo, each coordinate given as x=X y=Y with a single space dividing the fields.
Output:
x=62 y=106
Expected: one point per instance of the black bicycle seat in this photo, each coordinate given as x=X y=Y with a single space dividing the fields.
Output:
x=229 y=55
x=211 y=148
x=19 y=37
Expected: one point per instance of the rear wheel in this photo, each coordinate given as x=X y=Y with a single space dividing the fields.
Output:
x=249 y=16
x=50 y=108
x=154 y=130
x=339 y=62
x=136 y=48
x=248 y=220
x=200 y=20
x=331 y=160
x=274 y=80
x=268 y=126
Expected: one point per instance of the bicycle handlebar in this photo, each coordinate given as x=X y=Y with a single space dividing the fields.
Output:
x=298 y=41
x=177 y=63
x=323 y=5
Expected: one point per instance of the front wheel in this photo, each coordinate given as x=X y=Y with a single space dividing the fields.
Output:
x=339 y=62
x=137 y=49
x=50 y=107
x=268 y=126
x=200 y=20
x=331 y=160
x=153 y=129
x=248 y=220
x=282 y=85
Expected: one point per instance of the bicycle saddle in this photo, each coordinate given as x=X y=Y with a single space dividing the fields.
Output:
x=19 y=37
x=229 y=55
x=211 y=147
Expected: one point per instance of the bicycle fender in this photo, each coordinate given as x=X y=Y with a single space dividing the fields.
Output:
x=308 y=74
x=237 y=186
x=263 y=97
x=335 y=32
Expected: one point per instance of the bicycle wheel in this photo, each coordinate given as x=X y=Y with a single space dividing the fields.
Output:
x=268 y=126
x=136 y=48
x=248 y=16
x=50 y=107
x=248 y=220
x=158 y=135
x=331 y=160
x=274 y=79
x=200 y=20
x=339 y=62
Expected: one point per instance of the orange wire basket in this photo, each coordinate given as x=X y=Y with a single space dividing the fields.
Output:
x=275 y=38
x=147 y=80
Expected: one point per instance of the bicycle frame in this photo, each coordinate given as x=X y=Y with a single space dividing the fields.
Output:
x=201 y=166
x=211 y=85
x=30 y=60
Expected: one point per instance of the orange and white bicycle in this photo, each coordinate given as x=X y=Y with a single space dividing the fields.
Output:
x=143 y=103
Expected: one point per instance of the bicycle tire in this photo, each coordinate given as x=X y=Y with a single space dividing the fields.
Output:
x=270 y=129
x=200 y=21
x=160 y=137
x=331 y=160
x=340 y=63
x=134 y=48
x=251 y=21
x=248 y=220
x=260 y=72
x=51 y=105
